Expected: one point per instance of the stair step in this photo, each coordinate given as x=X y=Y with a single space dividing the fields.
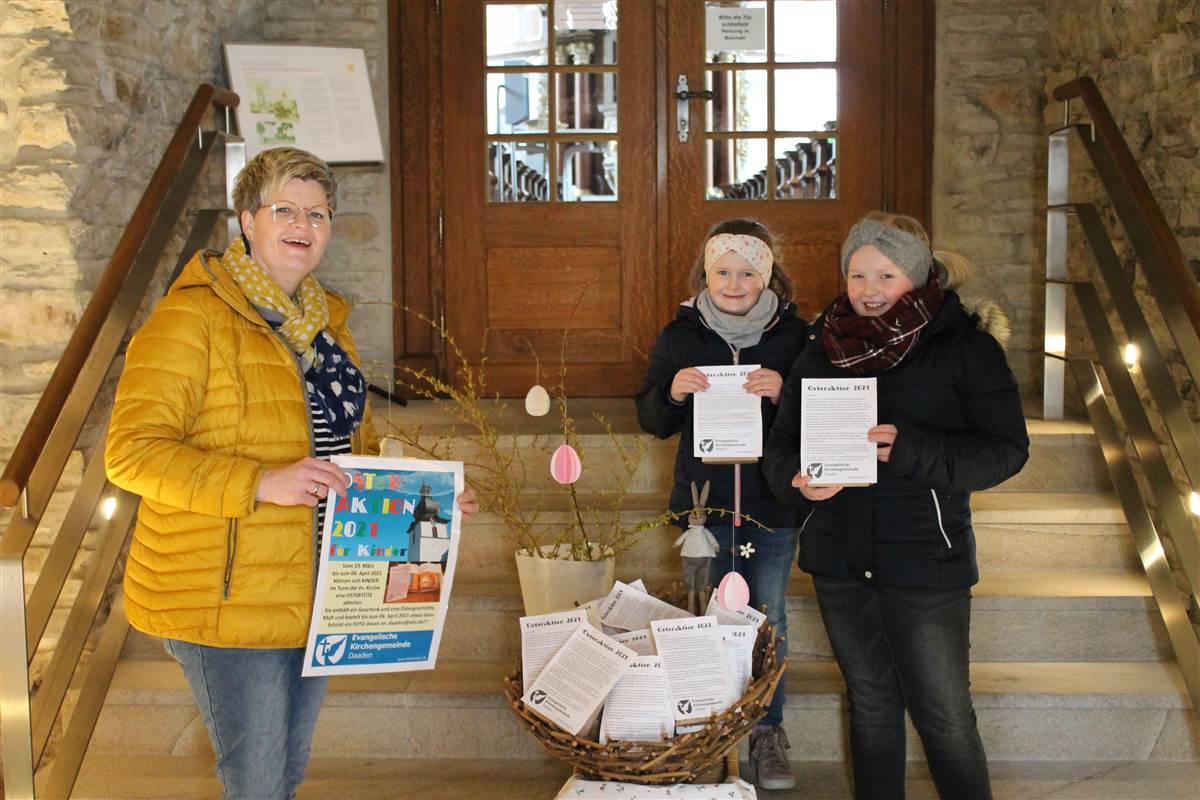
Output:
x=1018 y=615
x=1031 y=530
x=191 y=778
x=1064 y=456
x=1027 y=711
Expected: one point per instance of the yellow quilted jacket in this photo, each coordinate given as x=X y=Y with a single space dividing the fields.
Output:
x=209 y=399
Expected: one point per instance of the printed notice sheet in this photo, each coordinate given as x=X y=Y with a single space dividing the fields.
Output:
x=738 y=641
x=638 y=709
x=744 y=616
x=315 y=98
x=726 y=419
x=541 y=637
x=640 y=642
x=628 y=609
x=691 y=651
x=577 y=788
x=574 y=684
x=835 y=415
x=388 y=552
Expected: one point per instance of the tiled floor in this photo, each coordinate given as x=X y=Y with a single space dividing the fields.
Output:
x=177 y=778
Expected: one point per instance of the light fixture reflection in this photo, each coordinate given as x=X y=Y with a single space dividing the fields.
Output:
x=1194 y=503
x=1131 y=355
x=108 y=507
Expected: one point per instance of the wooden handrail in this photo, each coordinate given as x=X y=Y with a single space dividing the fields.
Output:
x=45 y=414
x=1109 y=135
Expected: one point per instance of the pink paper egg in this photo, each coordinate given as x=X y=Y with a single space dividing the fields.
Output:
x=733 y=593
x=565 y=466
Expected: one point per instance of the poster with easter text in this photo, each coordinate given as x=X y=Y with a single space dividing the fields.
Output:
x=388 y=552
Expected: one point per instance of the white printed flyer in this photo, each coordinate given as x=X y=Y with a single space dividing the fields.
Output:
x=388 y=553
x=726 y=419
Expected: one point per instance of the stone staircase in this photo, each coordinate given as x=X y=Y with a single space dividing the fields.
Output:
x=1075 y=687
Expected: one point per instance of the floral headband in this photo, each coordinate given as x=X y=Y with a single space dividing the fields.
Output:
x=751 y=248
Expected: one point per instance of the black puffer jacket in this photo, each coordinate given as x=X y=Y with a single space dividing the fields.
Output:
x=961 y=429
x=689 y=342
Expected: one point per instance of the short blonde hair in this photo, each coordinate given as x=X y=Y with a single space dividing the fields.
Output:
x=268 y=171
x=954 y=268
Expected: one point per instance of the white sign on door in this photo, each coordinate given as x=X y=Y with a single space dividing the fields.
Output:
x=736 y=29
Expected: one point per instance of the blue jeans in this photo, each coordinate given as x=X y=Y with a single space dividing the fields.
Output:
x=906 y=649
x=766 y=572
x=259 y=712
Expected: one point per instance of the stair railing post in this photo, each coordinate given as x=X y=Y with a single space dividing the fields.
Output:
x=1055 y=334
x=15 y=721
x=235 y=159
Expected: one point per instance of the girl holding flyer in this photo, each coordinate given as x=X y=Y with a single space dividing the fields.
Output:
x=740 y=312
x=893 y=563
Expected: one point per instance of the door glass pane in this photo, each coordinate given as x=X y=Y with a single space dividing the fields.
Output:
x=735 y=31
x=806 y=30
x=516 y=34
x=517 y=102
x=736 y=169
x=739 y=100
x=805 y=99
x=517 y=172
x=585 y=32
x=587 y=171
x=587 y=101
x=806 y=169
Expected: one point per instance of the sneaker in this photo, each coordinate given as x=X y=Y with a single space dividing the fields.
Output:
x=769 y=765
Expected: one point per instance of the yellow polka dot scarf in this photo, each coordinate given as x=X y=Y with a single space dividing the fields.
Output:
x=331 y=379
x=303 y=317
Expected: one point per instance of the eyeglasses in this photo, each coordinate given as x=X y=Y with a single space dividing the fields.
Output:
x=286 y=213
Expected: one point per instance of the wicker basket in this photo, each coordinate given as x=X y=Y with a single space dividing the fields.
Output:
x=686 y=757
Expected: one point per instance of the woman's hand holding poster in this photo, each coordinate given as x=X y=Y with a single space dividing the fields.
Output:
x=388 y=553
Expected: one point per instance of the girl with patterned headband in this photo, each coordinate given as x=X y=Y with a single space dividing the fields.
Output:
x=893 y=563
x=740 y=312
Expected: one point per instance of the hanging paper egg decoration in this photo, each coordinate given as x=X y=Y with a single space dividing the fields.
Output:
x=537 y=401
x=565 y=466
x=733 y=593
x=390 y=447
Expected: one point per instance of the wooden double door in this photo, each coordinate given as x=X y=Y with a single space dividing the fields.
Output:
x=572 y=154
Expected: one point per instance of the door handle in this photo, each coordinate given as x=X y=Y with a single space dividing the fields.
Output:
x=682 y=96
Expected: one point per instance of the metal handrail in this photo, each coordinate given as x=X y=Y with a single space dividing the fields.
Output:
x=33 y=440
x=27 y=718
x=1177 y=296
x=1155 y=245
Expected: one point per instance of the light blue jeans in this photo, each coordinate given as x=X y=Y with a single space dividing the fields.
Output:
x=766 y=572
x=259 y=712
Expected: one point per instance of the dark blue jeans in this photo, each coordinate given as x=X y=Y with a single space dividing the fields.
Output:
x=766 y=572
x=259 y=712
x=904 y=649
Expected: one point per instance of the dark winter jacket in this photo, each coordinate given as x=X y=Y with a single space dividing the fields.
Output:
x=961 y=429
x=689 y=342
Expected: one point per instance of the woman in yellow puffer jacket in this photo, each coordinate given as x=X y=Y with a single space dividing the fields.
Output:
x=241 y=383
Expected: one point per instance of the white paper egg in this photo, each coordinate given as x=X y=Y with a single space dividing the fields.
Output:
x=537 y=401
x=391 y=448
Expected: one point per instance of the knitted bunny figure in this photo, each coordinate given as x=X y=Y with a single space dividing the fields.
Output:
x=698 y=550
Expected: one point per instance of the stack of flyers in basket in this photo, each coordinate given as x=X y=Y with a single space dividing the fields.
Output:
x=636 y=665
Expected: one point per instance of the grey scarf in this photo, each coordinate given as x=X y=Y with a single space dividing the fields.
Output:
x=740 y=331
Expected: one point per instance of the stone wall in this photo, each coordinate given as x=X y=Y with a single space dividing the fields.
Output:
x=357 y=264
x=1145 y=57
x=990 y=159
x=90 y=94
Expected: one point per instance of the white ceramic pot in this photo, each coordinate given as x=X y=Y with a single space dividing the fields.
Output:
x=552 y=583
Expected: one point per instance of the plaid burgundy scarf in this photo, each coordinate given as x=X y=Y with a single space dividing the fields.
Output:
x=866 y=345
